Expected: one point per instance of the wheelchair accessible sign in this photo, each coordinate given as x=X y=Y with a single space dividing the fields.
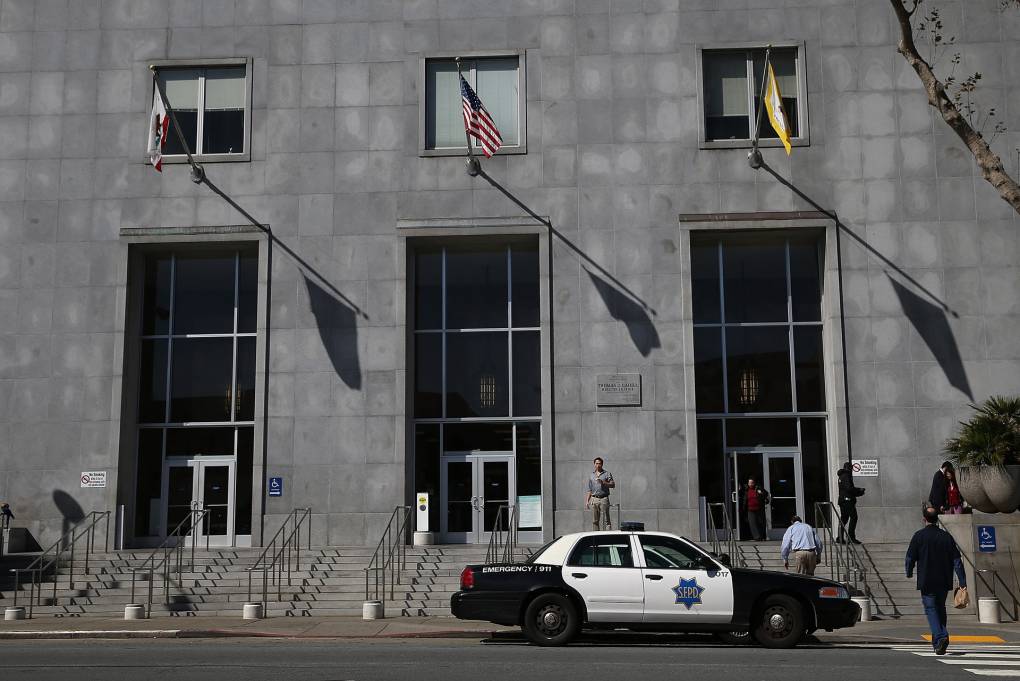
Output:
x=986 y=538
x=276 y=487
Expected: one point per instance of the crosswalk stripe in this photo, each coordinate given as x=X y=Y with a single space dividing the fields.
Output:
x=963 y=638
x=989 y=663
x=970 y=655
x=994 y=672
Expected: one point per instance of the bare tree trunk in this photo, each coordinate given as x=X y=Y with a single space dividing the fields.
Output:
x=991 y=166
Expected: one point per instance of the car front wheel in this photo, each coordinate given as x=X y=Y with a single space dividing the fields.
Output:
x=551 y=620
x=780 y=622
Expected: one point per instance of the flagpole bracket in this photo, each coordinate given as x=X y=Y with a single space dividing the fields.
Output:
x=754 y=159
x=197 y=173
x=473 y=167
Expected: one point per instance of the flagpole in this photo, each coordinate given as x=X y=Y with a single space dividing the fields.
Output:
x=754 y=158
x=473 y=166
x=197 y=171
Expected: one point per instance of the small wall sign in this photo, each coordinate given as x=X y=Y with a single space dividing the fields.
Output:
x=276 y=487
x=865 y=468
x=618 y=390
x=986 y=538
x=93 y=479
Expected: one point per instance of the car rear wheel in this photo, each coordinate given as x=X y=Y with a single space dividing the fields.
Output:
x=551 y=620
x=780 y=622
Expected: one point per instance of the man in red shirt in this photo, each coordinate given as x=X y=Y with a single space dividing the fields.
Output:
x=753 y=500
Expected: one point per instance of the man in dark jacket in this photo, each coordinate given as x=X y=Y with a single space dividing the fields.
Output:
x=937 y=557
x=752 y=500
x=939 y=488
x=848 y=494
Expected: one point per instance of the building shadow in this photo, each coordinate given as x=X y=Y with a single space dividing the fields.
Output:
x=933 y=327
x=338 y=330
x=623 y=309
x=71 y=511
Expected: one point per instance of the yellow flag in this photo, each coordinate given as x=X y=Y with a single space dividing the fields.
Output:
x=777 y=114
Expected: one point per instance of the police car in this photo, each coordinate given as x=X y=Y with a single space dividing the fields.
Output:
x=649 y=581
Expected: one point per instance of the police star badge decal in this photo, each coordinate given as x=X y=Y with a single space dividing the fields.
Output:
x=688 y=592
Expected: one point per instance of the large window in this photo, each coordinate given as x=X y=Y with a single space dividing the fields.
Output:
x=477 y=362
x=212 y=106
x=196 y=389
x=759 y=379
x=731 y=88
x=499 y=83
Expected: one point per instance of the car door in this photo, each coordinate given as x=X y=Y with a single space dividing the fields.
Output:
x=601 y=568
x=682 y=583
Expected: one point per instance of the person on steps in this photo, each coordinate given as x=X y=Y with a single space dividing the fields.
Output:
x=848 y=494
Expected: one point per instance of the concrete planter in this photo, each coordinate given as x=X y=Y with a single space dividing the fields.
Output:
x=990 y=489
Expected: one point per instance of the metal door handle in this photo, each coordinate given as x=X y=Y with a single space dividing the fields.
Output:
x=733 y=497
x=653 y=577
x=579 y=575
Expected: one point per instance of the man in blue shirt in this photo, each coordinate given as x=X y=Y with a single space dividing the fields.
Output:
x=937 y=557
x=802 y=542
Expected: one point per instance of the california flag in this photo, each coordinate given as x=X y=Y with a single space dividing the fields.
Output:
x=158 y=125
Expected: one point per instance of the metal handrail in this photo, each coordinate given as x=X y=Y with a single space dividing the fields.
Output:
x=729 y=534
x=65 y=544
x=284 y=549
x=390 y=554
x=845 y=564
x=183 y=531
x=503 y=543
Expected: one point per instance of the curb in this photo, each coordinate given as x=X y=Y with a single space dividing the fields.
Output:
x=223 y=633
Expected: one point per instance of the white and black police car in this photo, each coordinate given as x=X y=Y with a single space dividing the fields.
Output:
x=647 y=581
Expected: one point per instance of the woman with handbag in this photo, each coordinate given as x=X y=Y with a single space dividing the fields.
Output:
x=954 y=500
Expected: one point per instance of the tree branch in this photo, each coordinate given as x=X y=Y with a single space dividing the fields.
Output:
x=988 y=161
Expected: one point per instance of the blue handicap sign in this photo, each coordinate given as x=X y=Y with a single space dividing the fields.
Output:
x=276 y=487
x=986 y=538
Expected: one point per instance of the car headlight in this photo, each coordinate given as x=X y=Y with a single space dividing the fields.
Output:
x=833 y=592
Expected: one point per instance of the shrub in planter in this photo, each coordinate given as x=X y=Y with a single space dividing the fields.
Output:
x=986 y=452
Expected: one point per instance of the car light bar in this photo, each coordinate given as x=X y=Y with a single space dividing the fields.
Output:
x=833 y=592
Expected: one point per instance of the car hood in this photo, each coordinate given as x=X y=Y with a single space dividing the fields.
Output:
x=786 y=576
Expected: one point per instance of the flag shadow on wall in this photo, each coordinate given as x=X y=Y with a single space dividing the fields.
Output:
x=623 y=309
x=338 y=330
x=933 y=328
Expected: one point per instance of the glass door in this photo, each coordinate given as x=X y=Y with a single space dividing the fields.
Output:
x=206 y=483
x=473 y=487
x=779 y=472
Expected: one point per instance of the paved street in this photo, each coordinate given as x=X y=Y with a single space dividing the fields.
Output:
x=603 y=657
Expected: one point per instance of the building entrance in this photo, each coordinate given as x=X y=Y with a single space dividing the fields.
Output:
x=474 y=486
x=201 y=484
x=780 y=473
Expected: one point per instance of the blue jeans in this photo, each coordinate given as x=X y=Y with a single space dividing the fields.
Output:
x=935 y=611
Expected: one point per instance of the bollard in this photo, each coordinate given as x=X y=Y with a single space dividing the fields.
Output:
x=11 y=614
x=134 y=611
x=988 y=610
x=252 y=611
x=865 y=604
x=372 y=610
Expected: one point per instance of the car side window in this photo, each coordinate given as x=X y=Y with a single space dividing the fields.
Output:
x=667 y=553
x=602 y=551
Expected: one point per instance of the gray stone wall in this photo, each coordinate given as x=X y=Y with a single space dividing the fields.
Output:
x=613 y=159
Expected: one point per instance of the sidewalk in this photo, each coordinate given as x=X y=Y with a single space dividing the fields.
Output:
x=903 y=630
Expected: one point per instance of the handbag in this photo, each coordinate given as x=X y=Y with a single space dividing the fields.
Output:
x=961 y=598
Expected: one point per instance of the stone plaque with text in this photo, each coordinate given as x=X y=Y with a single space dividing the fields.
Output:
x=618 y=390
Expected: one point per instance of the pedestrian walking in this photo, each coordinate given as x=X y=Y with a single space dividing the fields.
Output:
x=753 y=500
x=936 y=556
x=945 y=495
x=847 y=501
x=597 y=497
x=801 y=543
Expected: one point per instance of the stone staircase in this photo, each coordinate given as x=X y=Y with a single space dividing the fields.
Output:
x=331 y=581
x=328 y=581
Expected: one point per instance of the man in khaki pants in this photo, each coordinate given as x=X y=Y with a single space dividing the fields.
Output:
x=802 y=544
x=597 y=498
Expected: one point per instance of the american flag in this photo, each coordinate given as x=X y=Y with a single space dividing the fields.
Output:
x=478 y=122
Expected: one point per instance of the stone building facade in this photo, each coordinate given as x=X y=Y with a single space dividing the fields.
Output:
x=410 y=327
